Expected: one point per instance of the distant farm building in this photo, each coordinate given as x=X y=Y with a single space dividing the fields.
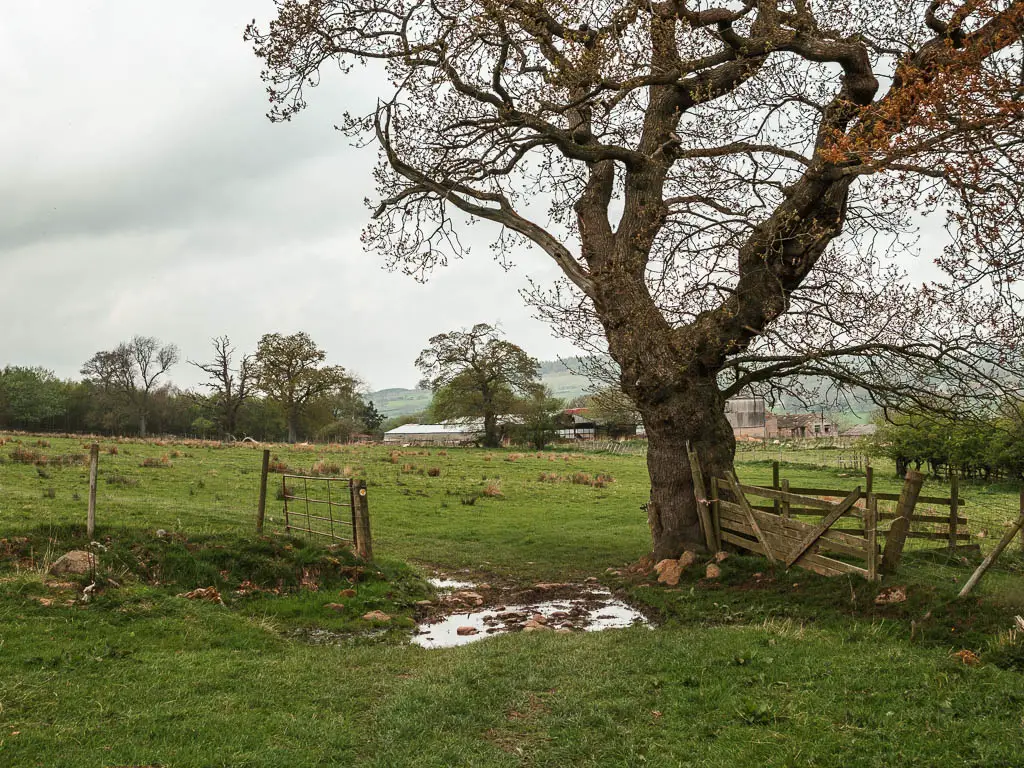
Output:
x=580 y=427
x=806 y=425
x=748 y=417
x=435 y=434
x=751 y=420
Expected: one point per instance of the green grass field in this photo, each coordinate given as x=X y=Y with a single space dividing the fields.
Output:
x=754 y=669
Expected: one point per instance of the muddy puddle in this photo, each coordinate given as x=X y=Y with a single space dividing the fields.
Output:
x=444 y=583
x=470 y=613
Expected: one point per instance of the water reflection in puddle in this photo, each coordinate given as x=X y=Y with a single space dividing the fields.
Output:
x=445 y=584
x=591 y=612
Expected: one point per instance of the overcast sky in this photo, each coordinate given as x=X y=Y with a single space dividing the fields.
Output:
x=143 y=191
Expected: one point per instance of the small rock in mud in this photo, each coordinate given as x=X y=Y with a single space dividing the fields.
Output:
x=540 y=618
x=549 y=585
x=424 y=602
x=463 y=631
x=376 y=616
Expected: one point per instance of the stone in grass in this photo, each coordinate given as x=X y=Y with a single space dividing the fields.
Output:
x=464 y=631
x=712 y=572
x=668 y=572
x=687 y=559
x=536 y=626
x=376 y=616
x=204 y=593
x=347 y=593
x=720 y=556
x=77 y=561
x=338 y=607
x=891 y=595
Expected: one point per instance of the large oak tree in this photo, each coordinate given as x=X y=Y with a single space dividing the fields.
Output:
x=725 y=187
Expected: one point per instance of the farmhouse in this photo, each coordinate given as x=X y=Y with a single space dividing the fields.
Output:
x=806 y=425
x=435 y=434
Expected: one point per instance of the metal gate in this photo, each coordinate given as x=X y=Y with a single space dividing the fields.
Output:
x=322 y=506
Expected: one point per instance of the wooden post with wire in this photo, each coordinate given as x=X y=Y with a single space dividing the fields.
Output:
x=361 y=520
x=897 y=535
x=775 y=485
x=954 y=510
x=261 y=510
x=94 y=466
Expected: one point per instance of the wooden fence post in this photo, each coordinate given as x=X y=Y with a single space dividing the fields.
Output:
x=869 y=480
x=897 y=536
x=716 y=512
x=94 y=466
x=785 y=501
x=701 y=496
x=871 y=532
x=261 y=510
x=954 y=510
x=775 y=484
x=361 y=514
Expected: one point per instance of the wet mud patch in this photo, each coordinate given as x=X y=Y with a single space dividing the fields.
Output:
x=464 y=615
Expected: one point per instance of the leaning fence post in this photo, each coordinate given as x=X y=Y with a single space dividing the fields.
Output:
x=992 y=557
x=361 y=513
x=94 y=466
x=954 y=510
x=261 y=511
x=897 y=535
x=1022 y=515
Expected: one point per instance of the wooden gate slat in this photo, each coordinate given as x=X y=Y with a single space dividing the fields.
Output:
x=841 y=509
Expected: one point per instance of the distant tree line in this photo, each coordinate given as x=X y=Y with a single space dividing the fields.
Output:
x=983 y=447
x=282 y=390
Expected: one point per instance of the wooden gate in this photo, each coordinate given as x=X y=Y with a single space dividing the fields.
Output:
x=332 y=507
x=791 y=542
x=325 y=510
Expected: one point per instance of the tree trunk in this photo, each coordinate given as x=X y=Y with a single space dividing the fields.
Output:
x=687 y=413
x=293 y=430
x=491 y=430
x=142 y=424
